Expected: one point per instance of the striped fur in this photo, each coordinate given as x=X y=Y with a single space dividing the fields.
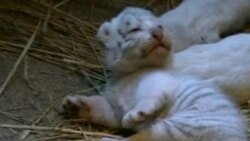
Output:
x=142 y=95
x=184 y=109
x=163 y=106
x=192 y=22
x=146 y=44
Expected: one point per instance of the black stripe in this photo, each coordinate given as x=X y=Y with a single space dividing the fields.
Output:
x=184 y=96
x=200 y=96
x=220 y=123
x=168 y=130
x=180 y=127
x=180 y=94
x=223 y=107
x=187 y=125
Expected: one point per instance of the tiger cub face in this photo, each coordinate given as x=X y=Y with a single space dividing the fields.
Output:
x=133 y=40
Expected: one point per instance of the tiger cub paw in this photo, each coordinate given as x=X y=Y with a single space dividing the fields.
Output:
x=76 y=107
x=133 y=118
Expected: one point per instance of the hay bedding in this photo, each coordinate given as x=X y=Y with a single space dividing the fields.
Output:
x=48 y=31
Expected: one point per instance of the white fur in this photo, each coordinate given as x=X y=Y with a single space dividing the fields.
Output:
x=192 y=22
x=226 y=63
x=174 y=106
x=165 y=105
x=162 y=105
x=203 y=21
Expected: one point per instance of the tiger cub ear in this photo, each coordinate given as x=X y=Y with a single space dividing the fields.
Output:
x=104 y=32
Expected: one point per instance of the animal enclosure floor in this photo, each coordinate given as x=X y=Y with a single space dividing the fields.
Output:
x=35 y=87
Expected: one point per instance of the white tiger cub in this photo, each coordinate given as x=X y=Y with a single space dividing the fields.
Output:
x=160 y=105
x=225 y=63
x=196 y=21
x=192 y=22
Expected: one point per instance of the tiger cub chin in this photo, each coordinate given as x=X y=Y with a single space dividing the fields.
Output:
x=159 y=105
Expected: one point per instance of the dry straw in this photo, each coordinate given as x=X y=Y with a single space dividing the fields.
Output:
x=62 y=40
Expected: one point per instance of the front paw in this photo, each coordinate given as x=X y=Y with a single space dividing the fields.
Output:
x=133 y=118
x=76 y=107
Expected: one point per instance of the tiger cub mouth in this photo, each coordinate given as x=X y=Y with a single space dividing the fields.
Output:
x=158 y=48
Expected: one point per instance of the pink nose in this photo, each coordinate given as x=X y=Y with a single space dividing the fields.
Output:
x=157 y=32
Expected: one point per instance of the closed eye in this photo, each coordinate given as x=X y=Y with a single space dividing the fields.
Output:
x=134 y=30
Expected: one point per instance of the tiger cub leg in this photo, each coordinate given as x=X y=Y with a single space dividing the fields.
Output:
x=95 y=109
x=143 y=110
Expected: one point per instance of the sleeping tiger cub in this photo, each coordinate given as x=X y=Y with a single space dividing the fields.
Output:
x=224 y=63
x=159 y=105
x=192 y=22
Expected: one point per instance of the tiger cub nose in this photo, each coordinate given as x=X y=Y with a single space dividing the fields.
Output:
x=157 y=32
